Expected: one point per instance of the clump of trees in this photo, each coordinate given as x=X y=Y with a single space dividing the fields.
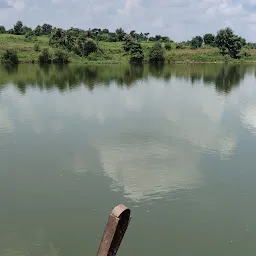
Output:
x=10 y=57
x=73 y=40
x=156 y=53
x=60 y=56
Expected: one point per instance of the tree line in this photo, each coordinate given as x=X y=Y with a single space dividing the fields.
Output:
x=84 y=42
x=96 y=33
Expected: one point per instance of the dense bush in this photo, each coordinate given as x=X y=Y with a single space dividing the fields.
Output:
x=44 y=56
x=156 y=53
x=136 y=53
x=128 y=43
x=30 y=36
x=60 y=56
x=10 y=56
x=87 y=46
x=180 y=46
x=37 y=47
x=168 y=46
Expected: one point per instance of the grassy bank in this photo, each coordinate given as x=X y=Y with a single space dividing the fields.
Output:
x=112 y=52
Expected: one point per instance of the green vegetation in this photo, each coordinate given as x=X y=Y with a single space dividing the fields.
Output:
x=133 y=48
x=103 y=46
x=209 y=39
x=196 y=42
x=10 y=57
x=226 y=40
x=156 y=53
x=168 y=46
x=44 y=57
x=60 y=57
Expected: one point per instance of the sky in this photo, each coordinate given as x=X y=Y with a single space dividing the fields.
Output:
x=178 y=19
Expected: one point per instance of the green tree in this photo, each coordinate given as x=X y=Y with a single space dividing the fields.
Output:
x=133 y=48
x=46 y=29
x=60 y=56
x=196 y=42
x=128 y=43
x=44 y=57
x=136 y=53
x=165 y=39
x=10 y=57
x=120 y=34
x=37 y=47
x=30 y=36
x=18 y=28
x=58 y=38
x=38 y=30
x=168 y=46
x=2 y=30
x=226 y=40
x=156 y=53
x=11 y=31
x=86 y=46
x=105 y=31
x=146 y=36
x=209 y=39
x=26 y=29
x=112 y=37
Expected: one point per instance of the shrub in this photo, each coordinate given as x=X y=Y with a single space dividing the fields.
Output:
x=156 y=53
x=10 y=56
x=37 y=47
x=44 y=57
x=168 y=46
x=30 y=36
x=85 y=47
x=180 y=46
x=60 y=56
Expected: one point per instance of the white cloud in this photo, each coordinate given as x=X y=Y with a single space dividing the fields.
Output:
x=179 y=19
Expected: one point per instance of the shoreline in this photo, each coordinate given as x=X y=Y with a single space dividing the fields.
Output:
x=113 y=53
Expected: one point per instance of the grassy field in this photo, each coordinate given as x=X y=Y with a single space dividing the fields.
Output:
x=114 y=53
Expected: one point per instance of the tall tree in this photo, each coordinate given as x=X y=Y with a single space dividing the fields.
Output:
x=18 y=28
x=46 y=29
x=146 y=35
x=2 y=30
x=26 y=29
x=209 y=39
x=196 y=42
x=38 y=30
x=226 y=40
x=156 y=53
x=120 y=34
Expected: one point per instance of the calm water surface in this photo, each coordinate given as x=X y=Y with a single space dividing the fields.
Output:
x=174 y=143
